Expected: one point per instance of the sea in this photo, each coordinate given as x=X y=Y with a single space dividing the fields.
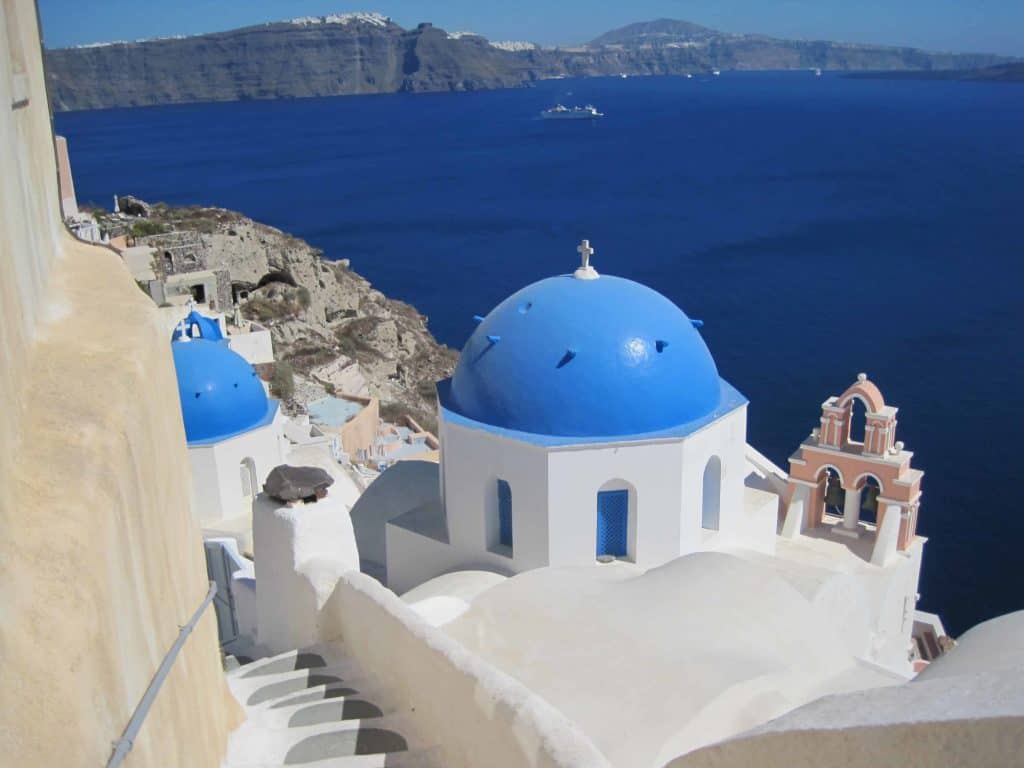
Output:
x=819 y=226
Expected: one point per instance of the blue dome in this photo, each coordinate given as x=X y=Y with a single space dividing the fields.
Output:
x=221 y=395
x=585 y=358
x=198 y=327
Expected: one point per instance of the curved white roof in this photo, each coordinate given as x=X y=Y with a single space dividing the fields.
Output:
x=653 y=664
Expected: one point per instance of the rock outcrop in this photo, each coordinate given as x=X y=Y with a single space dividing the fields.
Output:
x=326 y=320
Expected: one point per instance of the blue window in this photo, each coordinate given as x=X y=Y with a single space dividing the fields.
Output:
x=612 y=523
x=504 y=514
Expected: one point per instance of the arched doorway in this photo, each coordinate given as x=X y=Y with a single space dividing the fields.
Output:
x=711 y=494
x=616 y=519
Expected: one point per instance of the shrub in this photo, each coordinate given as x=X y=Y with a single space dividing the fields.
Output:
x=146 y=227
x=303 y=297
x=282 y=384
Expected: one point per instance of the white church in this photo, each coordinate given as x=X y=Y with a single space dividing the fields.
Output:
x=586 y=422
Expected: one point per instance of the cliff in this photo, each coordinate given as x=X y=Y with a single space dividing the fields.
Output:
x=357 y=54
x=327 y=321
x=367 y=53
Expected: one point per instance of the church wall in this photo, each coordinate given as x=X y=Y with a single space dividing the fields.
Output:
x=216 y=477
x=414 y=559
x=577 y=474
x=100 y=560
x=725 y=438
x=472 y=462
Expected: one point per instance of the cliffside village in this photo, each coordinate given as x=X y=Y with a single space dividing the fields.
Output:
x=333 y=409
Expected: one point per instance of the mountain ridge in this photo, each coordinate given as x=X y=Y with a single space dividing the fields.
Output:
x=353 y=54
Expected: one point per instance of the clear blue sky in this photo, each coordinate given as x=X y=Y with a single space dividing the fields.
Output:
x=994 y=26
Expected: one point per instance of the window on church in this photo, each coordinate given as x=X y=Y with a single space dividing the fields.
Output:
x=711 y=494
x=504 y=514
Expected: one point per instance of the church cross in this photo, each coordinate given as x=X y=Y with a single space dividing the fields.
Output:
x=585 y=251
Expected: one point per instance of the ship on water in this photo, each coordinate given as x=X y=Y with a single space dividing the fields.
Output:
x=560 y=112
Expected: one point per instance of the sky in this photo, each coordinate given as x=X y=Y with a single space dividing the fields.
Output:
x=989 y=26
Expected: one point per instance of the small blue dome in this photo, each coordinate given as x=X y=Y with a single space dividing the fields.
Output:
x=198 y=327
x=585 y=358
x=221 y=395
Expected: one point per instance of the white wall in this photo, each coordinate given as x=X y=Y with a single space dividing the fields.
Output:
x=479 y=715
x=554 y=497
x=726 y=439
x=576 y=475
x=472 y=461
x=256 y=347
x=216 y=477
x=300 y=552
x=414 y=559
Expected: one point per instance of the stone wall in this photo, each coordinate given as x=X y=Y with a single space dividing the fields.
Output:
x=100 y=561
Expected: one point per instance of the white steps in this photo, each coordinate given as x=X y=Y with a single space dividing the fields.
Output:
x=316 y=709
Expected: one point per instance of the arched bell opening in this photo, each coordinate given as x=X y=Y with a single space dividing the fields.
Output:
x=830 y=484
x=869 y=488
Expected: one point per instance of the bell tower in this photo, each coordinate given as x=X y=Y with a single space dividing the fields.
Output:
x=837 y=482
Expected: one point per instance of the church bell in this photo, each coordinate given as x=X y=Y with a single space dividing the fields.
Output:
x=834 y=493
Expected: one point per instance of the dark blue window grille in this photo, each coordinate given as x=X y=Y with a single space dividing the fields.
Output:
x=504 y=514
x=612 y=523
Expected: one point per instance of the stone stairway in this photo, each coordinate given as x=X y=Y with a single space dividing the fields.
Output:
x=315 y=709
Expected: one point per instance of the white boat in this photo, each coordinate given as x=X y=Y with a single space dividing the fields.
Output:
x=716 y=72
x=689 y=76
x=559 y=112
x=817 y=72
x=623 y=75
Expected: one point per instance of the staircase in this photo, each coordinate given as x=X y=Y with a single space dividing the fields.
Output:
x=315 y=709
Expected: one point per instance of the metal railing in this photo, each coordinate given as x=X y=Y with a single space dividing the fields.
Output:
x=124 y=745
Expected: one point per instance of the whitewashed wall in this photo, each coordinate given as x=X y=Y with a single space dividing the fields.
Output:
x=216 y=476
x=576 y=475
x=414 y=559
x=472 y=461
x=727 y=439
x=479 y=715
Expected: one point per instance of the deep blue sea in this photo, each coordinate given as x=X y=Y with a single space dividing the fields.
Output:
x=819 y=226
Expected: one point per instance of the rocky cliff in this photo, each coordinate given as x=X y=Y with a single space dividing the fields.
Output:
x=368 y=53
x=327 y=321
x=356 y=54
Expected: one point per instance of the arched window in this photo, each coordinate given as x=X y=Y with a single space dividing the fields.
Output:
x=247 y=475
x=616 y=520
x=504 y=514
x=711 y=494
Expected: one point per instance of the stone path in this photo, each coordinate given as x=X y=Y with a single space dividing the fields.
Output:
x=316 y=709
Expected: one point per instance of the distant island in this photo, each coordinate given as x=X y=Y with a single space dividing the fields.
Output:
x=1012 y=72
x=362 y=53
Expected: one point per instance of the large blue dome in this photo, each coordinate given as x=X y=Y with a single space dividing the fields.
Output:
x=221 y=395
x=585 y=358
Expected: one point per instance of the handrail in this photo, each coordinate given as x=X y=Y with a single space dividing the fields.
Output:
x=124 y=745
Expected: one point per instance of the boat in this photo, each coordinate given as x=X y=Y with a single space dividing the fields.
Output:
x=560 y=112
x=689 y=76
x=817 y=72
x=716 y=72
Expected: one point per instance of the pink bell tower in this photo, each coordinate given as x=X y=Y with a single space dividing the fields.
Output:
x=830 y=468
